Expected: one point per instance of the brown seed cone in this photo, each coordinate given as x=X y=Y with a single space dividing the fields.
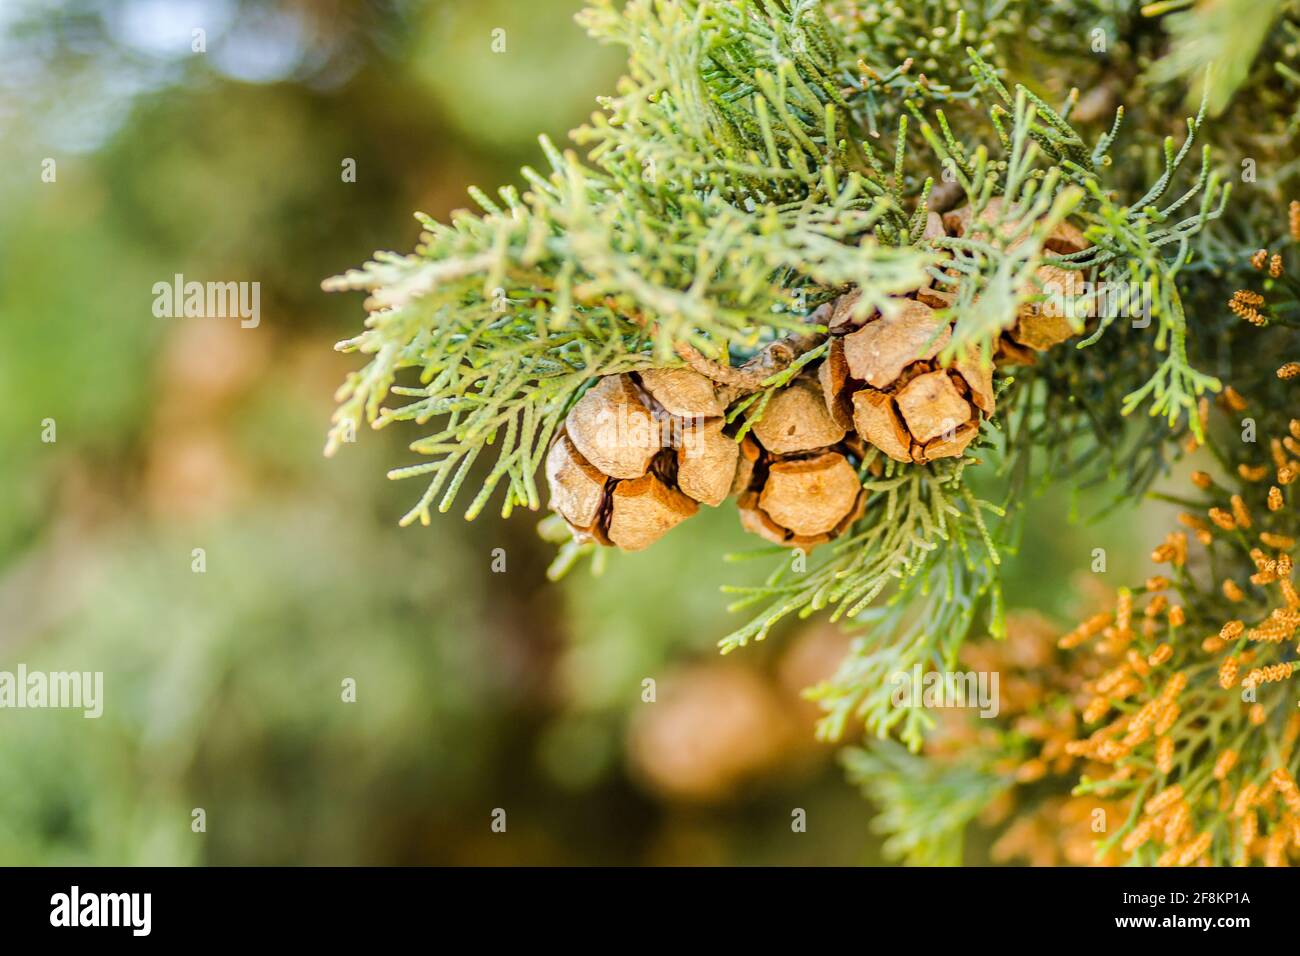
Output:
x=797 y=419
x=885 y=380
x=810 y=496
x=613 y=428
x=796 y=482
x=1039 y=325
x=878 y=352
x=803 y=502
x=706 y=462
x=881 y=374
x=637 y=455
x=716 y=728
x=1062 y=240
x=877 y=420
x=684 y=393
x=644 y=510
x=577 y=486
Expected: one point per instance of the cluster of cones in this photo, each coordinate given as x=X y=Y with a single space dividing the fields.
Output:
x=641 y=451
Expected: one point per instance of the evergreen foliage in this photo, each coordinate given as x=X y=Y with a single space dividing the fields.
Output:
x=762 y=157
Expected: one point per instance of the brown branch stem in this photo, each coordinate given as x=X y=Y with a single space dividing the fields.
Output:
x=774 y=357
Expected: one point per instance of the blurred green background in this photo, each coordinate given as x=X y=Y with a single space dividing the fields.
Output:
x=475 y=690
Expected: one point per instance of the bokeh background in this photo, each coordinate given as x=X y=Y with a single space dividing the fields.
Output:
x=475 y=690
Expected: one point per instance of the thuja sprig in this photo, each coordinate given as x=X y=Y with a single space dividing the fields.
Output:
x=733 y=190
x=926 y=804
x=990 y=271
x=726 y=200
x=1137 y=249
x=923 y=624
x=1201 y=731
x=1171 y=714
x=513 y=311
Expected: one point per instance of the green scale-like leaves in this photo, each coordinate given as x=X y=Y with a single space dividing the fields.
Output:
x=735 y=182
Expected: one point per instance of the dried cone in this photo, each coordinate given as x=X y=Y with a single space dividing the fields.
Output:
x=808 y=495
x=884 y=379
x=796 y=483
x=796 y=420
x=641 y=451
x=1043 y=324
x=638 y=454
